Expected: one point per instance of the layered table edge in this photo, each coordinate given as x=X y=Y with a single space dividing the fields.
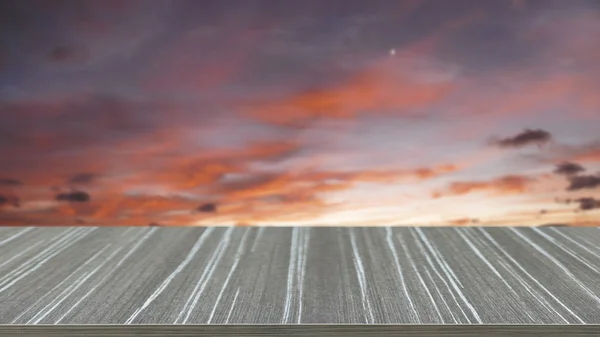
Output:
x=303 y=330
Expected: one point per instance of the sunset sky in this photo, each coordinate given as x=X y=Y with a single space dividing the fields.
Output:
x=312 y=112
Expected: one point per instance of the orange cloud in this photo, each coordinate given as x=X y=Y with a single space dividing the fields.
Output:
x=189 y=171
x=378 y=88
x=253 y=197
x=146 y=207
x=270 y=194
x=506 y=185
x=364 y=93
x=144 y=179
x=587 y=156
x=583 y=153
x=463 y=222
x=165 y=164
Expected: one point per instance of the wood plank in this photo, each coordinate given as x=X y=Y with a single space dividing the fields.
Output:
x=285 y=275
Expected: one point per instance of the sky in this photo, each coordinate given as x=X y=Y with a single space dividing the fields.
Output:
x=313 y=112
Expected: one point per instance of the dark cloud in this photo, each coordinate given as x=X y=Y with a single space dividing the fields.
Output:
x=584 y=204
x=65 y=53
x=82 y=178
x=67 y=30
x=3 y=200
x=525 y=138
x=31 y=131
x=554 y=225
x=10 y=182
x=566 y=201
x=248 y=183
x=207 y=208
x=569 y=169
x=60 y=53
x=10 y=200
x=583 y=182
x=14 y=17
x=587 y=204
x=74 y=196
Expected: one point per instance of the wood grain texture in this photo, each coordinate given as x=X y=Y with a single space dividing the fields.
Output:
x=251 y=275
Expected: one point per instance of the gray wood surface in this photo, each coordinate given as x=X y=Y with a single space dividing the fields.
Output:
x=240 y=275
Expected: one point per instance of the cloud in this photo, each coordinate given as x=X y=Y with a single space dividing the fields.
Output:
x=10 y=182
x=566 y=201
x=586 y=204
x=584 y=152
x=525 y=138
x=583 y=182
x=554 y=225
x=185 y=66
x=246 y=195
x=429 y=173
x=305 y=185
x=510 y=184
x=587 y=153
x=163 y=180
x=134 y=199
x=592 y=155
x=79 y=121
x=82 y=178
x=19 y=219
x=136 y=209
x=463 y=221
x=70 y=31
x=191 y=170
x=66 y=53
x=298 y=195
x=75 y=196
x=518 y=4
x=156 y=160
x=81 y=133
x=375 y=90
x=207 y=208
x=9 y=200
x=568 y=169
